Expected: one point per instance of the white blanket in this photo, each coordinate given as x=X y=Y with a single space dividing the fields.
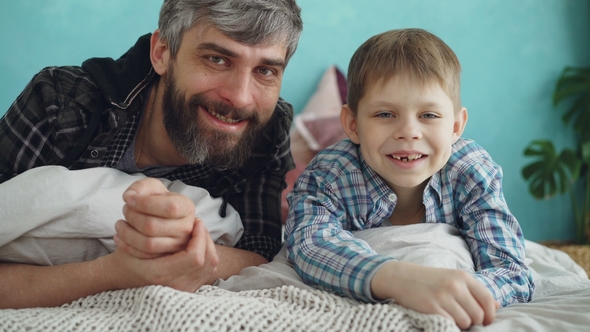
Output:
x=50 y=215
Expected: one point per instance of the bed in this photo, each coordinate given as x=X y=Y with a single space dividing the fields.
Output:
x=271 y=297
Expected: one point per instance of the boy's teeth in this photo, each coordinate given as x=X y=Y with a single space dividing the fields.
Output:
x=222 y=118
x=411 y=157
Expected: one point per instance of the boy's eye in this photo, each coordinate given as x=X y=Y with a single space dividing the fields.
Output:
x=429 y=116
x=384 y=115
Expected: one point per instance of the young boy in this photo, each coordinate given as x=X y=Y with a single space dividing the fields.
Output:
x=405 y=163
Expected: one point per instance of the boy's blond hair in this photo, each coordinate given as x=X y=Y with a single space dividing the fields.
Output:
x=414 y=52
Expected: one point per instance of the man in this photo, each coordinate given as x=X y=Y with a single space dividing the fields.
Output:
x=196 y=101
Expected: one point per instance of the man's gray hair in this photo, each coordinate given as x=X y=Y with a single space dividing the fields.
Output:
x=249 y=22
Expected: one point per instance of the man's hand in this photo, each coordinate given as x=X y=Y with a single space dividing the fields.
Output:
x=162 y=242
x=454 y=294
x=185 y=270
x=158 y=222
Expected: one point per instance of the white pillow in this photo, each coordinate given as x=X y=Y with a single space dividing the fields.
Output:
x=430 y=244
x=50 y=215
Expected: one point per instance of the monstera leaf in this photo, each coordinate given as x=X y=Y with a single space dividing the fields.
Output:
x=574 y=84
x=550 y=173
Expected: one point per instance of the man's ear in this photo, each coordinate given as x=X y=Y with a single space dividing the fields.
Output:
x=348 y=121
x=459 y=125
x=159 y=53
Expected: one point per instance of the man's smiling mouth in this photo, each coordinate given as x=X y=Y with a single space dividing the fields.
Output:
x=222 y=118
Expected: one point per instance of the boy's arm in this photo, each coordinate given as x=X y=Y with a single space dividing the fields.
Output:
x=327 y=255
x=319 y=241
x=494 y=237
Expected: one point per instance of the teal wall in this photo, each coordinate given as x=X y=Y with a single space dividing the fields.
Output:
x=511 y=52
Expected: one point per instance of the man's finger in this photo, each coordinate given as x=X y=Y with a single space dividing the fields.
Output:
x=132 y=251
x=212 y=255
x=144 y=187
x=146 y=244
x=157 y=227
x=197 y=255
x=167 y=206
x=202 y=243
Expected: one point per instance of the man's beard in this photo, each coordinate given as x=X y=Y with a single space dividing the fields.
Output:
x=199 y=144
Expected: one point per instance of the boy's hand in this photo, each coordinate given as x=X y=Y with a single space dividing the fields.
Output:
x=454 y=294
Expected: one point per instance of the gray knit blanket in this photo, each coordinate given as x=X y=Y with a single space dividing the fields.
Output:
x=157 y=308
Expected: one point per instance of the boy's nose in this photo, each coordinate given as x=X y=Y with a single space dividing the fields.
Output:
x=407 y=130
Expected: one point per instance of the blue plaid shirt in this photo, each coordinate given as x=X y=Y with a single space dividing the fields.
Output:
x=339 y=193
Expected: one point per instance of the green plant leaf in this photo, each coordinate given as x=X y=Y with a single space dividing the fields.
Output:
x=569 y=88
x=537 y=188
x=550 y=173
x=574 y=83
x=569 y=159
x=533 y=170
x=582 y=117
x=540 y=148
x=568 y=83
x=585 y=147
x=571 y=112
x=563 y=180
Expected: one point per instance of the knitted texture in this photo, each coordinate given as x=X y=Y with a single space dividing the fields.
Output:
x=157 y=308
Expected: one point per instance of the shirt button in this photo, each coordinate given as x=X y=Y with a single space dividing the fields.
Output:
x=391 y=197
x=94 y=153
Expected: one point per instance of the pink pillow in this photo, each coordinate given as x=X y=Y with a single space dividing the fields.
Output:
x=317 y=126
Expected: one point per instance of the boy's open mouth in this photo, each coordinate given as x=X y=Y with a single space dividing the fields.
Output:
x=407 y=158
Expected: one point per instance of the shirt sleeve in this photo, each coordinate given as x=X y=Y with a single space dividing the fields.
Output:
x=319 y=242
x=25 y=139
x=259 y=204
x=46 y=120
x=493 y=235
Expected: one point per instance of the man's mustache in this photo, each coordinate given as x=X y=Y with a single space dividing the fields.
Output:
x=224 y=109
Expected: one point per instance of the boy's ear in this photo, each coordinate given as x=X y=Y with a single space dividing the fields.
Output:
x=159 y=53
x=348 y=121
x=459 y=125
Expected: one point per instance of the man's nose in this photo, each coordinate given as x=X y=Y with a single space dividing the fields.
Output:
x=238 y=90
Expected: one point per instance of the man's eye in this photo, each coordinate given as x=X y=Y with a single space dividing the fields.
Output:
x=265 y=71
x=217 y=60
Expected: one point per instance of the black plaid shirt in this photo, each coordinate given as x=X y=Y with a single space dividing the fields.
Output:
x=53 y=111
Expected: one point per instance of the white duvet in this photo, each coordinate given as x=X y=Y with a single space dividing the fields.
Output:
x=50 y=215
